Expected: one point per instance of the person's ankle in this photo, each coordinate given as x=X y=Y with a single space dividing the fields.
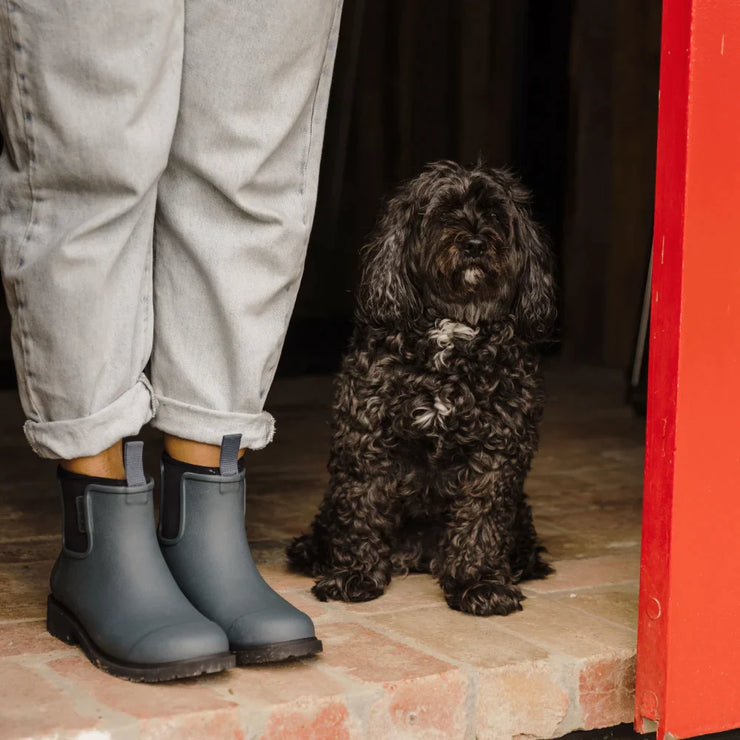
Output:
x=106 y=464
x=193 y=453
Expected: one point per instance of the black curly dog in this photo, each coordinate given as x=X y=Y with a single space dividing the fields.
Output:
x=437 y=404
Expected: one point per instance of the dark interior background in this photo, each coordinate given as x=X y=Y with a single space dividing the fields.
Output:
x=564 y=92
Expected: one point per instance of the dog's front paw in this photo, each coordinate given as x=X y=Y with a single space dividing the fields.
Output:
x=484 y=598
x=349 y=585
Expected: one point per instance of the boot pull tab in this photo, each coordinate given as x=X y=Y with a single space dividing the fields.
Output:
x=229 y=460
x=133 y=463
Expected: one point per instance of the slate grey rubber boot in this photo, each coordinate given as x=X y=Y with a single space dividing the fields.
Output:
x=202 y=535
x=113 y=594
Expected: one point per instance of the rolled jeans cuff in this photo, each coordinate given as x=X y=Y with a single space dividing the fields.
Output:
x=205 y=425
x=89 y=435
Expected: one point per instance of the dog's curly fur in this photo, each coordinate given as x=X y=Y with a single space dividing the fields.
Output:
x=438 y=400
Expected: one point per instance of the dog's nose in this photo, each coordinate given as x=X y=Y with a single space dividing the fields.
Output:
x=475 y=247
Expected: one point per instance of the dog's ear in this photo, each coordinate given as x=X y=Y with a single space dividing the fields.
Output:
x=535 y=303
x=387 y=294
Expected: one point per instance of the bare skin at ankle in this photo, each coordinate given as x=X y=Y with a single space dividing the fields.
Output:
x=194 y=453
x=106 y=464
x=109 y=463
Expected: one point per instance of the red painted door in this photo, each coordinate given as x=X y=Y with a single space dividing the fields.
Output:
x=688 y=658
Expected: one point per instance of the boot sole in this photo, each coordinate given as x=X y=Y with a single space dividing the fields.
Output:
x=63 y=625
x=278 y=651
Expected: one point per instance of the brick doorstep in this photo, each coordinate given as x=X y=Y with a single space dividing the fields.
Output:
x=374 y=680
x=532 y=682
x=402 y=666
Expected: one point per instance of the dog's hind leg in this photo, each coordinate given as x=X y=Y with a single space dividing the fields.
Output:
x=304 y=555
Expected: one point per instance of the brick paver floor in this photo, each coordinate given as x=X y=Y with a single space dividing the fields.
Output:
x=403 y=666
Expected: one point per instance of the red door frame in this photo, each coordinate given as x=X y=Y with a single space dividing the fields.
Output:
x=688 y=656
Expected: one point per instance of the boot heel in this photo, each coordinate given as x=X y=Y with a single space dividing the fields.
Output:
x=58 y=624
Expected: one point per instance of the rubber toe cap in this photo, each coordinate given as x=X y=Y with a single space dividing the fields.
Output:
x=183 y=641
x=270 y=626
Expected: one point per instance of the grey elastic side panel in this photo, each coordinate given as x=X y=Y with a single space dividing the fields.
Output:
x=229 y=462
x=133 y=461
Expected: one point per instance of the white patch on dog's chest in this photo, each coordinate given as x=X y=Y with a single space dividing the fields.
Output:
x=446 y=331
x=444 y=334
x=431 y=411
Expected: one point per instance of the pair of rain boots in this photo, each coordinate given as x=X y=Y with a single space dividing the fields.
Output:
x=184 y=601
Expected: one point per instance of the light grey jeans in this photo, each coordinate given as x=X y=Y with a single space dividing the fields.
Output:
x=157 y=189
